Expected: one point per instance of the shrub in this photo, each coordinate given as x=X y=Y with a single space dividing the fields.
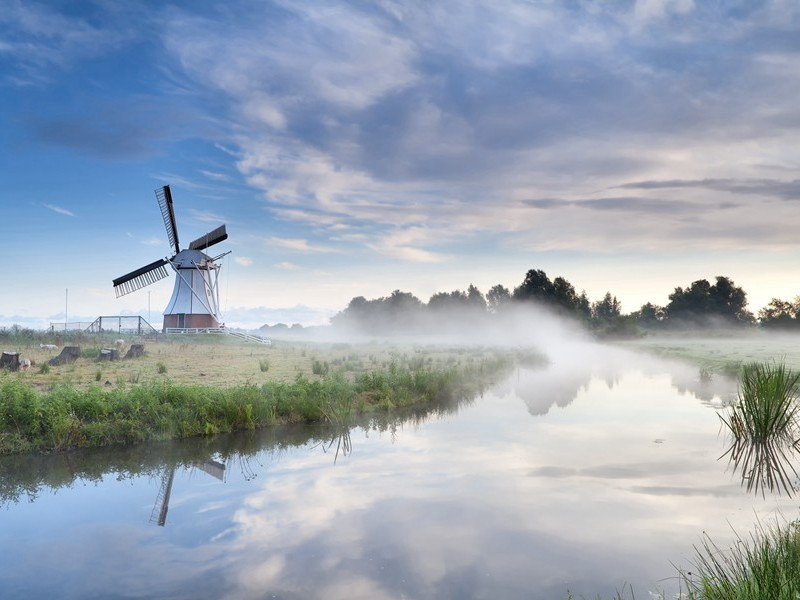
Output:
x=263 y=365
x=161 y=368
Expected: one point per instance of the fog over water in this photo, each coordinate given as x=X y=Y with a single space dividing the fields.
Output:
x=598 y=468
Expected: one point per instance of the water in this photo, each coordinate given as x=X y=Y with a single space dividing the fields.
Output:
x=569 y=478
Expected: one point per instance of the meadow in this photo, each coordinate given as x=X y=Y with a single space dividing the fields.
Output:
x=200 y=385
x=722 y=351
x=219 y=361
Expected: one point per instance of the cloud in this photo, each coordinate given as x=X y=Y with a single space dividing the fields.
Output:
x=245 y=261
x=207 y=216
x=786 y=190
x=60 y=210
x=286 y=266
x=216 y=176
x=299 y=245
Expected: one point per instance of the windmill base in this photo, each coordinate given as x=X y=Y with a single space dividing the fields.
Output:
x=186 y=321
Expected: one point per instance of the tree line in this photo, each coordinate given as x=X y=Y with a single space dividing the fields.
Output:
x=701 y=304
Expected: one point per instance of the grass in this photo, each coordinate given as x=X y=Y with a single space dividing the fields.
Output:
x=67 y=418
x=765 y=566
x=763 y=427
x=766 y=407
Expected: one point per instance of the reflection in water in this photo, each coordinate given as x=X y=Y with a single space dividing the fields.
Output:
x=25 y=476
x=161 y=507
x=489 y=502
x=766 y=465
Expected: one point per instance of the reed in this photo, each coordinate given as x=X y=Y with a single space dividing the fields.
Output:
x=766 y=407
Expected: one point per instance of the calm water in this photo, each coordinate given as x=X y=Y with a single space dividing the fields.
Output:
x=594 y=472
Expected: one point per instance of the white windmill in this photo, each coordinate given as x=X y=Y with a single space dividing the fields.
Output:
x=195 y=299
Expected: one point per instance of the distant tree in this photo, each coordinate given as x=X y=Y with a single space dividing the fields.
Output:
x=780 y=314
x=402 y=302
x=497 y=298
x=584 y=308
x=448 y=301
x=475 y=299
x=607 y=310
x=400 y=310
x=564 y=296
x=649 y=315
x=702 y=302
x=535 y=286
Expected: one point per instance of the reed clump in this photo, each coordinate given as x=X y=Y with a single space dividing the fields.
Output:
x=766 y=408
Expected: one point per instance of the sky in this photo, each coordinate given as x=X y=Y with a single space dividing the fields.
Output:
x=355 y=148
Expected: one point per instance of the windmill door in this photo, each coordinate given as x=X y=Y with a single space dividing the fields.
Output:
x=181 y=320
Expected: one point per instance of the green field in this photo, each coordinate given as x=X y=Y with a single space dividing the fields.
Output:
x=723 y=352
x=202 y=385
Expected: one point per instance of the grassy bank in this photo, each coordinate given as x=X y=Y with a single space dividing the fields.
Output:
x=722 y=352
x=67 y=417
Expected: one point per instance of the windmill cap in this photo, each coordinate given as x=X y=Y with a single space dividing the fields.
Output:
x=191 y=259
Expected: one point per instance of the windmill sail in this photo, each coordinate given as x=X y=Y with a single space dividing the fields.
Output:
x=212 y=237
x=164 y=197
x=136 y=280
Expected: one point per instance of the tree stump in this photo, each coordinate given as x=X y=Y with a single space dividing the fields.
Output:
x=135 y=351
x=69 y=354
x=9 y=360
x=108 y=354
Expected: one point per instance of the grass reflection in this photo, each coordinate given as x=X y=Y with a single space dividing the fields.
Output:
x=764 y=466
x=763 y=425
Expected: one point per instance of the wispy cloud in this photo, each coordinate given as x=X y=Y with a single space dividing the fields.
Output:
x=286 y=266
x=59 y=209
x=300 y=245
x=215 y=175
x=205 y=216
x=245 y=261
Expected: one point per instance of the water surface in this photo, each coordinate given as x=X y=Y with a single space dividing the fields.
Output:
x=579 y=477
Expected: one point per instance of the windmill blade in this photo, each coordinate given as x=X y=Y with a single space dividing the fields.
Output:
x=164 y=197
x=136 y=280
x=212 y=237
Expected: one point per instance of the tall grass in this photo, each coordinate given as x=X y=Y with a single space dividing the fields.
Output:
x=765 y=566
x=763 y=424
x=766 y=408
x=68 y=418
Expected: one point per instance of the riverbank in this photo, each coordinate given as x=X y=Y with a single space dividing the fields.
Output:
x=722 y=351
x=67 y=417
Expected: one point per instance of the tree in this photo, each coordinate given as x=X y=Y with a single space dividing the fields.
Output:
x=497 y=298
x=584 y=307
x=475 y=299
x=607 y=310
x=701 y=302
x=649 y=315
x=780 y=314
x=564 y=295
x=535 y=286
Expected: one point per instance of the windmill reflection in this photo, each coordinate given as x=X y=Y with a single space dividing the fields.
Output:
x=765 y=465
x=161 y=506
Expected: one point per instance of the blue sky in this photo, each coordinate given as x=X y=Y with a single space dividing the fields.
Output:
x=354 y=148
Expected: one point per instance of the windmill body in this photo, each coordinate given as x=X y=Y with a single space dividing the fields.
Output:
x=195 y=299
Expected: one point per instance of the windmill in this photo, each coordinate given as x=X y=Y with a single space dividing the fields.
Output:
x=195 y=298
